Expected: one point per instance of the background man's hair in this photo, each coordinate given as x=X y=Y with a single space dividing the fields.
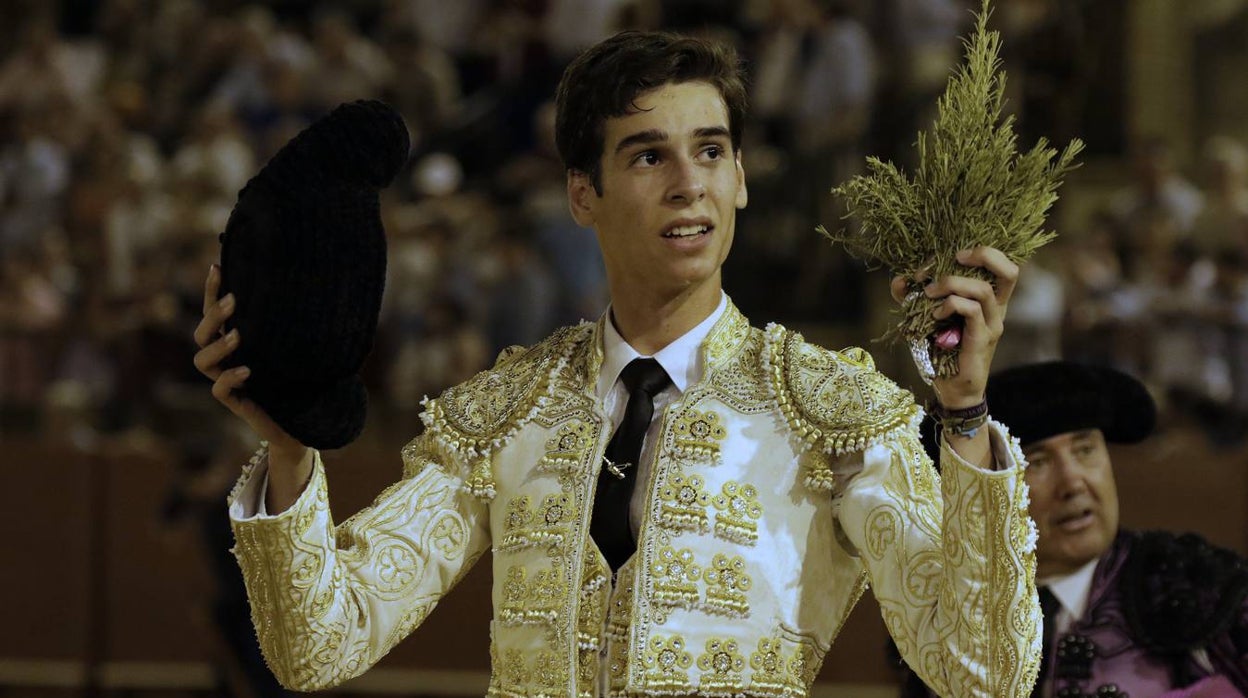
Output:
x=606 y=79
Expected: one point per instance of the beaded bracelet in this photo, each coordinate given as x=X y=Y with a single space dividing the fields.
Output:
x=964 y=422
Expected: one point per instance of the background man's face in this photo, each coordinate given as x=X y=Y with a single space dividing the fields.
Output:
x=671 y=185
x=1074 y=500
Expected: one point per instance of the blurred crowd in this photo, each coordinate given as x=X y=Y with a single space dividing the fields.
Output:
x=1157 y=284
x=127 y=128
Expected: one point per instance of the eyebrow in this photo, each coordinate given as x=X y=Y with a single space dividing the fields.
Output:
x=655 y=135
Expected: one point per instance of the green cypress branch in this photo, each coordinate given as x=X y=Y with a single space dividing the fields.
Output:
x=971 y=187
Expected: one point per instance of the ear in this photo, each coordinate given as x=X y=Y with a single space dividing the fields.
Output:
x=581 y=198
x=743 y=196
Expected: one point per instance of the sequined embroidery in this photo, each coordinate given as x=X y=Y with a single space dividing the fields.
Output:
x=721 y=666
x=727 y=583
x=549 y=525
x=534 y=600
x=675 y=578
x=550 y=676
x=683 y=503
x=770 y=674
x=697 y=435
x=667 y=665
x=738 y=511
x=477 y=417
x=836 y=401
x=568 y=450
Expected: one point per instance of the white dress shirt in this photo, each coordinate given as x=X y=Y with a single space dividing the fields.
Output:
x=682 y=359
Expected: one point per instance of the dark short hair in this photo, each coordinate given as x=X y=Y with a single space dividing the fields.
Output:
x=606 y=79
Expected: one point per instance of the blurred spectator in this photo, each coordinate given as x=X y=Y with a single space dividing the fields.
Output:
x=522 y=296
x=45 y=67
x=1047 y=58
x=1037 y=312
x=1186 y=363
x=349 y=66
x=429 y=94
x=34 y=176
x=1156 y=210
x=537 y=181
x=32 y=309
x=1223 y=223
x=572 y=25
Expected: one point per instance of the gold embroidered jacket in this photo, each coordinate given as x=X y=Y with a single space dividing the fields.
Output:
x=786 y=480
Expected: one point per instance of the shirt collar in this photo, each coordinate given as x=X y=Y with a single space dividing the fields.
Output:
x=1072 y=590
x=681 y=359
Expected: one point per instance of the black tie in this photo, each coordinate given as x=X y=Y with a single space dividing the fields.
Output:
x=609 y=525
x=1049 y=606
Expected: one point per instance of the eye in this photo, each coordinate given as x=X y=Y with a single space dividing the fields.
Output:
x=713 y=152
x=646 y=158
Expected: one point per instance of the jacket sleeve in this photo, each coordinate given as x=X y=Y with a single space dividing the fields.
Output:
x=329 y=601
x=951 y=560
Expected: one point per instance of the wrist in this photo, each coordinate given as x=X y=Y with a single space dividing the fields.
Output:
x=961 y=402
x=287 y=456
x=963 y=422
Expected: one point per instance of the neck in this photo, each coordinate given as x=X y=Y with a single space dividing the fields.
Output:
x=649 y=322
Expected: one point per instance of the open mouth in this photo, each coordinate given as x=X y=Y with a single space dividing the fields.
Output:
x=1075 y=521
x=687 y=231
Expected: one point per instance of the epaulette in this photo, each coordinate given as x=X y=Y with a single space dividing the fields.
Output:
x=835 y=400
x=480 y=415
x=1180 y=592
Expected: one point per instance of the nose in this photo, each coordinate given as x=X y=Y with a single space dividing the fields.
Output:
x=1070 y=477
x=686 y=185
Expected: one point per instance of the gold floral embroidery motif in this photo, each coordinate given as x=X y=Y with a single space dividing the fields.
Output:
x=548 y=525
x=566 y=450
x=480 y=415
x=620 y=611
x=519 y=515
x=448 y=535
x=728 y=583
x=683 y=503
x=721 y=666
x=738 y=510
x=514 y=671
x=550 y=675
x=697 y=435
x=771 y=676
x=836 y=401
x=592 y=610
x=726 y=337
x=535 y=601
x=675 y=578
x=804 y=665
x=667 y=665
x=586 y=670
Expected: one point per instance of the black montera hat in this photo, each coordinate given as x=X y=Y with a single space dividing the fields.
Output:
x=1037 y=401
x=304 y=253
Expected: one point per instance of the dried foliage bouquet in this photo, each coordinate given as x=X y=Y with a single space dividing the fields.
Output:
x=971 y=187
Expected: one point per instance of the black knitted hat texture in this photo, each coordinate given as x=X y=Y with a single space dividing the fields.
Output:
x=304 y=254
x=1037 y=401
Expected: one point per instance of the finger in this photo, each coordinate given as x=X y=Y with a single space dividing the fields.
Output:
x=899 y=288
x=211 y=286
x=208 y=359
x=974 y=327
x=223 y=388
x=977 y=290
x=1004 y=271
x=215 y=316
